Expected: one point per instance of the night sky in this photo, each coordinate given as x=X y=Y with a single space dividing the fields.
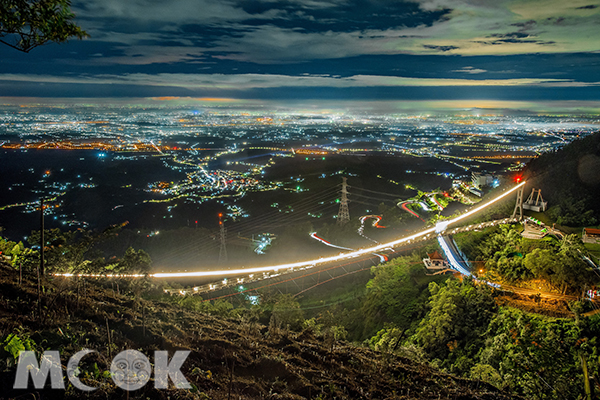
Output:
x=319 y=49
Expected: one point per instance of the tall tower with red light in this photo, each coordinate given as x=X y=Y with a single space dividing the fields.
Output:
x=223 y=237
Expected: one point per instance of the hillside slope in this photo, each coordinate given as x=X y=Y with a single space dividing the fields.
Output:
x=230 y=358
x=570 y=180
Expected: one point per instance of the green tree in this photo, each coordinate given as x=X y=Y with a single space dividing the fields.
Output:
x=70 y=251
x=499 y=248
x=287 y=312
x=133 y=262
x=387 y=340
x=313 y=326
x=486 y=373
x=17 y=252
x=26 y=24
x=453 y=329
x=564 y=269
x=396 y=295
x=334 y=334
x=573 y=212
x=536 y=356
x=195 y=303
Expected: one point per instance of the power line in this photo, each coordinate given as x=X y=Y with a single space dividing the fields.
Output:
x=373 y=191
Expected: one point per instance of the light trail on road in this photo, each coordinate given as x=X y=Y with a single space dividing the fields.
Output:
x=327 y=243
x=361 y=230
x=403 y=204
x=313 y=235
x=375 y=223
x=323 y=260
x=432 y=197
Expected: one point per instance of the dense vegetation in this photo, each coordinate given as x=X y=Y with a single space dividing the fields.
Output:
x=73 y=252
x=458 y=327
x=569 y=179
x=508 y=257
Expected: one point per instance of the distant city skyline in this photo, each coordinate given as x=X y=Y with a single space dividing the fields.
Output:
x=538 y=55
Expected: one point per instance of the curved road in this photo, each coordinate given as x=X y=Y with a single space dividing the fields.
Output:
x=403 y=204
x=361 y=230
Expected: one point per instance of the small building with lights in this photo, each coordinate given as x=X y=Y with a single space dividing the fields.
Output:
x=480 y=180
x=590 y=235
x=435 y=262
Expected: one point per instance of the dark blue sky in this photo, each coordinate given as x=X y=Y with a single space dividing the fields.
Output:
x=319 y=49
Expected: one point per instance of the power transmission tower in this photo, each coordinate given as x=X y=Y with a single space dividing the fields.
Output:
x=519 y=204
x=344 y=214
x=223 y=236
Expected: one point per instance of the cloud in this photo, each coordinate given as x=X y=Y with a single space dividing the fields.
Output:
x=440 y=48
x=470 y=70
x=265 y=81
x=144 y=55
x=269 y=31
x=172 y=11
x=202 y=99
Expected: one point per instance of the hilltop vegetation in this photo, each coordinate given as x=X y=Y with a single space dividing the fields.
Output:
x=569 y=179
x=505 y=256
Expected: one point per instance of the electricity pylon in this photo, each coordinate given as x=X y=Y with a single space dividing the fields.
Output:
x=344 y=213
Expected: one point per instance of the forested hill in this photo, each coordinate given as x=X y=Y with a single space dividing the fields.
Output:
x=570 y=181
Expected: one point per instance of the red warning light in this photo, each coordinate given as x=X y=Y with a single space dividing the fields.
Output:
x=220 y=215
x=518 y=179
